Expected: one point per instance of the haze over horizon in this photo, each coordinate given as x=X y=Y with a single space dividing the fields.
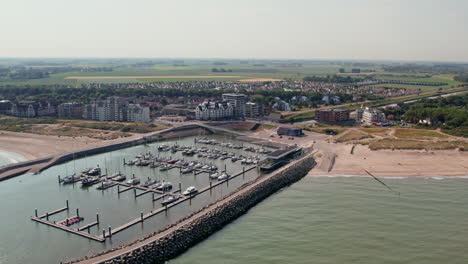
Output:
x=431 y=30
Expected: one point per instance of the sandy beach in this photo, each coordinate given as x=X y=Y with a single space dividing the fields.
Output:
x=34 y=146
x=336 y=158
x=388 y=162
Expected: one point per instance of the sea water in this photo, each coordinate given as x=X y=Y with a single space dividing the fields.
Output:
x=348 y=220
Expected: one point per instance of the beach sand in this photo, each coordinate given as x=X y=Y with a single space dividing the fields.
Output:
x=390 y=163
x=34 y=146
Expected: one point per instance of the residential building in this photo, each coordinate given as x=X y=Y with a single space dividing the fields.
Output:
x=214 y=111
x=70 y=110
x=253 y=110
x=368 y=115
x=116 y=109
x=5 y=107
x=371 y=115
x=32 y=109
x=332 y=115
x=137 y=113
x=238 y=102
x=281 y=105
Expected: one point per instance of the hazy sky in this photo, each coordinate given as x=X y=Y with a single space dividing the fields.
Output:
x=301 y=29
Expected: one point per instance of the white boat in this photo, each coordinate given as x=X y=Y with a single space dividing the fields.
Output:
x=223 y=176
x=133 y=181
x=187 y=170
x=215 y=175
x=165 y=186
x=170 y=199
x=190 y=190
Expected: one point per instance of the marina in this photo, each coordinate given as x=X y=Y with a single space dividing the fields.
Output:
x=117 y=205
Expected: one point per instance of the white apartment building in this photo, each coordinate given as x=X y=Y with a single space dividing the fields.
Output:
x=372 y=115
x=116 y=109
x=138 y=114
x=214 y=111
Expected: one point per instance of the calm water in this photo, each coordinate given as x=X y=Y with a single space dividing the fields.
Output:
x=25 y=241
x=347 y=220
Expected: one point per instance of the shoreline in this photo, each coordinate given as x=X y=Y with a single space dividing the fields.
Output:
x=9 y=157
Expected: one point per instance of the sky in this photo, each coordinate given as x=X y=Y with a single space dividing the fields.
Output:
x=427 y=30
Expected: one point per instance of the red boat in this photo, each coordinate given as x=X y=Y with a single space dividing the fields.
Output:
x=71 y=221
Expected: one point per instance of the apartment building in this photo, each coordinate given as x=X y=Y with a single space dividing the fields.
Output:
x=214 y=111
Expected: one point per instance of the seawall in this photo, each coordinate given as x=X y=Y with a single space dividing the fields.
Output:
x=170 y=243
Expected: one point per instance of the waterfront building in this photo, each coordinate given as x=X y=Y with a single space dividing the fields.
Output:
x=70 y=110
x=214 y=111
x=32 y=109
x=137 y=113
x=238 y=102
x=332 y=115
x=116 y=109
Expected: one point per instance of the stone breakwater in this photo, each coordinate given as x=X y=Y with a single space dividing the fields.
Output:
x=191 y=230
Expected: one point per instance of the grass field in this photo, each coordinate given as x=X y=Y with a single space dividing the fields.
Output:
x=352 y=135
x=387 y=143
x=406 y=133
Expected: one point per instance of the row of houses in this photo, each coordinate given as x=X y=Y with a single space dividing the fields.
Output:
x=109 y=109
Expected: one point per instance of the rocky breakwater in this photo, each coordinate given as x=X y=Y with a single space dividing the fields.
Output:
x=177 y=239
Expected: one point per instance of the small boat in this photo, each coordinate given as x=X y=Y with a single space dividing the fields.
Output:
x=120 y=177
x=223 y=176
x=94 y=172
x=71 y=179
x=187 y=170
x=149 y=182
x=72 y=220
x=215 y=175
x=89 y=181
x=165 y=186
x=164 y=168
x=190 y=190
x=104 y=185
x=133 y=181
x=169 y=199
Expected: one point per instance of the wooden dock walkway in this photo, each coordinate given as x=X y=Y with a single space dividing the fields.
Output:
x=53 y=212
x=143 y=217
x=70 y=230
x=88 y=226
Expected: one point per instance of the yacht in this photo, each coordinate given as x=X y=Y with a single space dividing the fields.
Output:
x=133 y=181
x=223 y=176
x=169 y=199
x=190 y=190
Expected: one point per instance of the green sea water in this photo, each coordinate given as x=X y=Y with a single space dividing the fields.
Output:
x=348 y=220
